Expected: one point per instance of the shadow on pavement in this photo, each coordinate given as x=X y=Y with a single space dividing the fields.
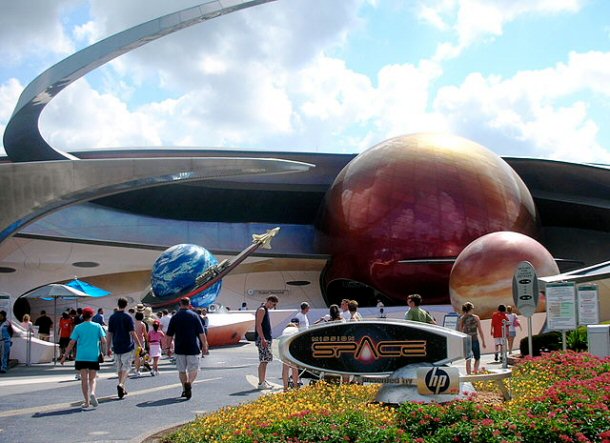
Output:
x=77 y=410
x=161 y=402
x=243 y=393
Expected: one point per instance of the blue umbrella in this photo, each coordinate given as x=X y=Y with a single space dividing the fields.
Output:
x=87 y=288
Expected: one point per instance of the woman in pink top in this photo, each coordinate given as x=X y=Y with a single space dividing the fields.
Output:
x=155 y=338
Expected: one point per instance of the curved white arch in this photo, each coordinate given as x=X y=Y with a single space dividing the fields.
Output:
x=22 y=139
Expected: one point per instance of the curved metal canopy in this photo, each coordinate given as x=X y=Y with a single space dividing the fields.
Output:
x=22 y=139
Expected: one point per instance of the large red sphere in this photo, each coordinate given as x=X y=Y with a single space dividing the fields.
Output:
x=483 y=272
x=421 y=196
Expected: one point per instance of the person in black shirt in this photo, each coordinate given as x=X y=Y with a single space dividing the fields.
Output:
x=263 y=338
x=186 y=329
x=122 y=339
x=44 y=324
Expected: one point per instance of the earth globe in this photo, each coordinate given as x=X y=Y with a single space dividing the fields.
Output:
x=175 y=272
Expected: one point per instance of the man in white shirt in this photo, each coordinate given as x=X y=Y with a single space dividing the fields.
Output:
x=345 y=310
x=302 y=316
x=164 y=324
x=381 y=307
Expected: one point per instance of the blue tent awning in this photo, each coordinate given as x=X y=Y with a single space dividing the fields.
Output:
x=87 y=288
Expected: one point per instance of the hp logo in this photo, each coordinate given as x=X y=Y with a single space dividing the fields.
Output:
x=437 y=380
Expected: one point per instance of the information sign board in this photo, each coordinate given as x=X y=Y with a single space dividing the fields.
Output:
x=450 y=321
x=371 y=347
x=588 y=304
x=561 y=306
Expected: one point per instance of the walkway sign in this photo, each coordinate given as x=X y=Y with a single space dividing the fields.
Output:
x=450 y=320
x=371 y=347
x=525 y=289
x=588 y=304
x=561 y=306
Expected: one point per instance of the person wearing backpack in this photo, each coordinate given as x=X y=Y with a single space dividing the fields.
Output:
x=6 y=333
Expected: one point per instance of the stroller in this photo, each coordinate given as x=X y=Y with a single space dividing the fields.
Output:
x=144 y=356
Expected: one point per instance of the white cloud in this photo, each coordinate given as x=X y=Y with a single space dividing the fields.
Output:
x=262 y=79
x=81 y=118
x=260 y=53
x=88 y=32
x=402 y=100
x=9 y=94
x=204 y=117
x=33 y=28
x=475 y=20
x=534 y=113
x=435 y=13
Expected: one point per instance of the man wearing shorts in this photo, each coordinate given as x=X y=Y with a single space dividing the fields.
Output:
x=122 y=339
x=499 y=330
x=190 y=343
x=263 y=338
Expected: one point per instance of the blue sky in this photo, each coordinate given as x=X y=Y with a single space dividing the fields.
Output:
x=521 y=77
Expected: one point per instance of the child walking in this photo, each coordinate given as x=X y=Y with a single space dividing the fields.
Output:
x=155 y=338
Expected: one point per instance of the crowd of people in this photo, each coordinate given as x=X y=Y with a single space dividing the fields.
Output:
x=504 y=324
x=136 y=338
x=347 y=311
x=133 y=340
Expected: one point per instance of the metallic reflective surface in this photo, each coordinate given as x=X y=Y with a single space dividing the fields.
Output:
x=483 y=272
x=415 y=197
x=22 y=139
x=29 y=191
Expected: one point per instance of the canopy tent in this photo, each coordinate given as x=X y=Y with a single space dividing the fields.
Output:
x=53 y=292
x=87 y=288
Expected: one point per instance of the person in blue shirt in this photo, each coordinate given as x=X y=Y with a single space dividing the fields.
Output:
x=91 y=340
x=6 y=332
x=99 y=317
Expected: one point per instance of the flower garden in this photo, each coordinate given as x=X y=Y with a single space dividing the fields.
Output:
x=559 y=397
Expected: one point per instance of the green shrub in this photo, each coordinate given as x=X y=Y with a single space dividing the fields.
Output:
x=547 y=342
x=577 y=339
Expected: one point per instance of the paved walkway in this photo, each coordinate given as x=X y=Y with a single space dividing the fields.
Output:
x=42 y=402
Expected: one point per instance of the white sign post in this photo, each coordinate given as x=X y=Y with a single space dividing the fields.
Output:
x=588 y=304
x=525 y=295
x=561 y=308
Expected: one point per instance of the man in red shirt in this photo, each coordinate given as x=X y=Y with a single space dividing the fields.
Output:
x=497 y=323
x=66 y=325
